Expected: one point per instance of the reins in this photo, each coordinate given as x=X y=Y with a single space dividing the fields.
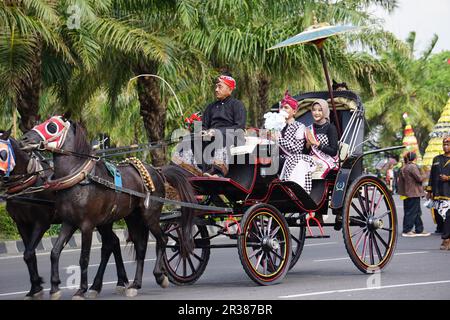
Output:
x=43 y=146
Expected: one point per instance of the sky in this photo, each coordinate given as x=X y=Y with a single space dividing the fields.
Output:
x=426 y=17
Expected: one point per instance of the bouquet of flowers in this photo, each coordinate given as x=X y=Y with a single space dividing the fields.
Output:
x=275 y=120
x=189 y=122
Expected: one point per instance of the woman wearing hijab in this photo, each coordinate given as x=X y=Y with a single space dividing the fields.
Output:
x=297 y=165
x=322 y=138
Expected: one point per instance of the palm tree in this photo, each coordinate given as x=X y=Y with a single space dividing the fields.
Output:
x=412 y=91
x=240 y=40
x=26 y=30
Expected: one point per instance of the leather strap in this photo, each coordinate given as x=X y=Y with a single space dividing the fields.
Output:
x=71 y=180
x=22 y=185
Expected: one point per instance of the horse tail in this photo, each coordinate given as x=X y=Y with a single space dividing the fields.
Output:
x=177 y=178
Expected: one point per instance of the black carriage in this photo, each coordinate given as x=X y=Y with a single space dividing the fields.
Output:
x=270 y=219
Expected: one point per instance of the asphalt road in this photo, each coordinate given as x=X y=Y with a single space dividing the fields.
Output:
x=418 y=271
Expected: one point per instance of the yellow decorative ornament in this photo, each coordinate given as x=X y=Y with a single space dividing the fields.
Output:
x=441 y=129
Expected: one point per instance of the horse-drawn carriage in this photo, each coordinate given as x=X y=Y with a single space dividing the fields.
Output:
x=269 y=218
x=273 y=218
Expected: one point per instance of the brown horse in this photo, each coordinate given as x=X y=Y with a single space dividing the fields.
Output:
x=34 y=214
x=90 y=204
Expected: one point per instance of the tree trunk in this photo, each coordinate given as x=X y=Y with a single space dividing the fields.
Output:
x=152 y=109
x=262 y=104
x=27 y=101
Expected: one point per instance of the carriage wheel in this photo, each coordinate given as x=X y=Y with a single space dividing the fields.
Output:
x=182 y=271
x=298 y=235
x=369 y=224
x=265 y=244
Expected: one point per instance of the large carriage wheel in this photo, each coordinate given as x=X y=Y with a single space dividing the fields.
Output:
x=182 y=271
x=265 y=244
x=369 y=224
x=298 y=236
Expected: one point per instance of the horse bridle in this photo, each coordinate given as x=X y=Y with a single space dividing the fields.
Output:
x=11 y=160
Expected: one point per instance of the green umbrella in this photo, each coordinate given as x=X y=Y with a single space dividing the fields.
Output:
x=317 y=34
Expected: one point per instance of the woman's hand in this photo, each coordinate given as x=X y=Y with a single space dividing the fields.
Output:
x=310 y=139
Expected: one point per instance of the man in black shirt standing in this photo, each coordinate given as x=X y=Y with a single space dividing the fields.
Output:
x=439 y=190
x=222 y=118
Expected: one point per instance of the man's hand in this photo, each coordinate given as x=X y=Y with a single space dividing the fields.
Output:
x=208 y=133
x=444 y=177
x=429 y=195
x=275 y=135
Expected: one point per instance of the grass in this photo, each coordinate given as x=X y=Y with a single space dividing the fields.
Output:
x=8 y=229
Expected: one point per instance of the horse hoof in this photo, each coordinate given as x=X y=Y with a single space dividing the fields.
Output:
x=78 y=297
x=38 y=295
x=131 y=292
x=92 y=294
x=56 y=296
x=35 y=296
x=165 y=282
x=121 y=290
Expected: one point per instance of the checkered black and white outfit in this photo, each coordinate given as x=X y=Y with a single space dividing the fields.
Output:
x=298 y=167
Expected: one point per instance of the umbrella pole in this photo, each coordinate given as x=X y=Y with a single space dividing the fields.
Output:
x=330 y=90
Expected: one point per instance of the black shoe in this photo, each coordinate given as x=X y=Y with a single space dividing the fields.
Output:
x=338 y=222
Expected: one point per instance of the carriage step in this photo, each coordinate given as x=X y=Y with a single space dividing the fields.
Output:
x=318 y=237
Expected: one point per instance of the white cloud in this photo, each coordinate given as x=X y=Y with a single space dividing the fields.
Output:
x=426 y=17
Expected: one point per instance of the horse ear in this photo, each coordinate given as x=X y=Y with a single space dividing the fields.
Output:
x=67 y=115
x=6 y=134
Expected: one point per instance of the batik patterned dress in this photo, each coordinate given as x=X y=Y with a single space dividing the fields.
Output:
x=292 y=145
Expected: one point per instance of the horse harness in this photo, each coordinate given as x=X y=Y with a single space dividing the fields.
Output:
x=84 y=175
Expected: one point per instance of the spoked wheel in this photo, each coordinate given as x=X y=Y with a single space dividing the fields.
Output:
x=265 y=244
x=298 y=235
x=182 y=271
x=369 y=224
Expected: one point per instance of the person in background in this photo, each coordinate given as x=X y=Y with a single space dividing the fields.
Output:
x=397 y=168
x=411 y=190
x=438 y=189
x=339 y=86
x=390 y=177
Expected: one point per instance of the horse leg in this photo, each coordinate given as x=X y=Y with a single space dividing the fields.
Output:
x=86 y=242
x=29 y=256
x=161 y=242
x=122 y=278
x=110 y=244
x=139 y=237
x=65 y=234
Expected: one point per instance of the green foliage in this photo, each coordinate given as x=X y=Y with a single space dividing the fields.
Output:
x=87 y=69
x=418 y=86
x=53 y=231
x=8 y=229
